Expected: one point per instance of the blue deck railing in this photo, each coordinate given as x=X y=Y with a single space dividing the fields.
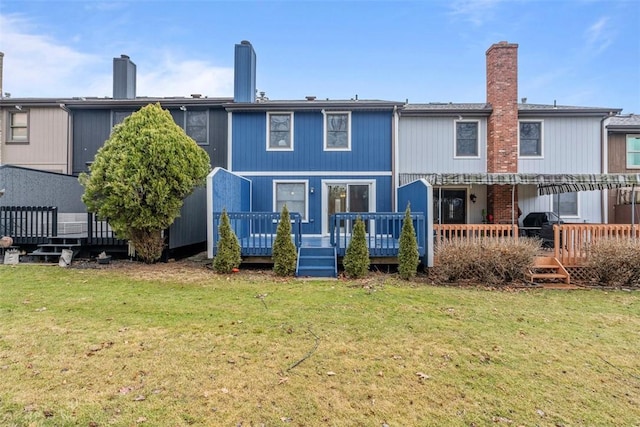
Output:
x=256 y=231
x=382 y=231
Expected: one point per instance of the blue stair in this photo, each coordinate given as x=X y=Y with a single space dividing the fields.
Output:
x=317 y=262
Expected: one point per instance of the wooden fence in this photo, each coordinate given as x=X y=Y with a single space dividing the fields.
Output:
x=573 y=242
x=471 y=232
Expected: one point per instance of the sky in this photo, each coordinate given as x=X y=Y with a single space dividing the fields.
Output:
x=573 y=52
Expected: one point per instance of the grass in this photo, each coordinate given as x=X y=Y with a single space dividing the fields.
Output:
x=113 y=346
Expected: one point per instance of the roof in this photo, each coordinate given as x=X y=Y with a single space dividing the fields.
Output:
x=624 y=123
x=313 y=104
x=75 y=103
x=547 y=183
x=524 y=109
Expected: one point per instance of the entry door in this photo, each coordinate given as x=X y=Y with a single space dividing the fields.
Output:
x=346 y=197
x=453 y=208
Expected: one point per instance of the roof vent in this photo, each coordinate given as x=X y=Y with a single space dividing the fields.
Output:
x=196 y=95
x=310 y=98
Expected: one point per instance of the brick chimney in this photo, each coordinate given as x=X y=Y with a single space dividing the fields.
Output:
x=124 y=78
x=502 y=128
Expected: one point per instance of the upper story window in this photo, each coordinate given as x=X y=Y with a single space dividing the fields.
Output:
x=119 y=116
x=467 y=141
x=337 y=131
x=566 y=204
x=294 y=195
x=18 y=129
x=280 y=131
x=633 y=151
x=197 y=126
x=530 y=139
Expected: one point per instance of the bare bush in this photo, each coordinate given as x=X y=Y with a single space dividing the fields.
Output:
x=615 y=262
x=489 y=261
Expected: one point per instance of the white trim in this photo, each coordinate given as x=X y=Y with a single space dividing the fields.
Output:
x=305 y=182
x=541 y=156
x=396 y=157
x=626 y=150
x=455 y=138
x=325 y=196
x=230 y=141
x=324 y=130
x=279 y=113
x=555 y=197
x=312 y=173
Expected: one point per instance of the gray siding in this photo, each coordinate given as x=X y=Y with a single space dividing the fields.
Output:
x=29 y=187
x=570 y=145
x=91 y=128
x=191 y=227
x=426 y=145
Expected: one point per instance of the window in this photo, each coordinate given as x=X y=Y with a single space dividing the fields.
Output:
x=633 y=151
x=197 y=126
x=337 y=134
x=119 y=116
x=566 y=204
x=466 y=139
x=280 y=131
x=530 y=139
x=293 y=194
x=18 y=126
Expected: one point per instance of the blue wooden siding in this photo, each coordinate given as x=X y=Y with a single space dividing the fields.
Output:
x=371 y=144
x=263 y=197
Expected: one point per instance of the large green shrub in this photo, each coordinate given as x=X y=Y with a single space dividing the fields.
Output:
x=356 y=259
x=615 y=262
x=228 y=248
x=140 y=177
x=408 y=254
x=284 y=251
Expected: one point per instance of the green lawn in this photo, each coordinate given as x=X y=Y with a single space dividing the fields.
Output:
x=102 y=347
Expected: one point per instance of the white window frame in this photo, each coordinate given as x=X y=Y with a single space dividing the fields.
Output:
x=10 y=127
x=554 y=208
x=326 y=115
x=186 y=124
x=628 y=151
x=305 y=182
x=537 y=156
x=276 y=148
x=455 y=139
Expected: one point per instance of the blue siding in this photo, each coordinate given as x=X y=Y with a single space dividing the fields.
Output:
x=419 y=194
x=370 y=144
x=229 y=191
x=263 y=197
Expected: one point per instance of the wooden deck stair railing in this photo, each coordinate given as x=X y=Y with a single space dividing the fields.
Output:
x=474 y=231
x=548 y=268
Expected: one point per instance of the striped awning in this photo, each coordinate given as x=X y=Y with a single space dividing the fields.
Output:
x=546 y=183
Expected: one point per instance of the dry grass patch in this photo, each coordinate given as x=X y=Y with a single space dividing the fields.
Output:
x=104 y=347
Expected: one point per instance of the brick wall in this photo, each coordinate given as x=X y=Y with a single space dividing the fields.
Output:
x=502 y=127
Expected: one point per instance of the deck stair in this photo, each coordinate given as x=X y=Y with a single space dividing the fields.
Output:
x=317 y=262
x=546 y=268
x=52 y=250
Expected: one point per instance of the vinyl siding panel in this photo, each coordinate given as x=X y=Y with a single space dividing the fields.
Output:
x=570 y=145
x=263 y=197
x=370 y=144
x=427 y=145
x=47 y=147
x=91 y=128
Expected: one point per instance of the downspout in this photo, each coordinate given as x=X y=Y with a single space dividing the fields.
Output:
x=69 y=144
x=604 y=167
x=395 y=179
x=229 y=141
x=633 y=211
